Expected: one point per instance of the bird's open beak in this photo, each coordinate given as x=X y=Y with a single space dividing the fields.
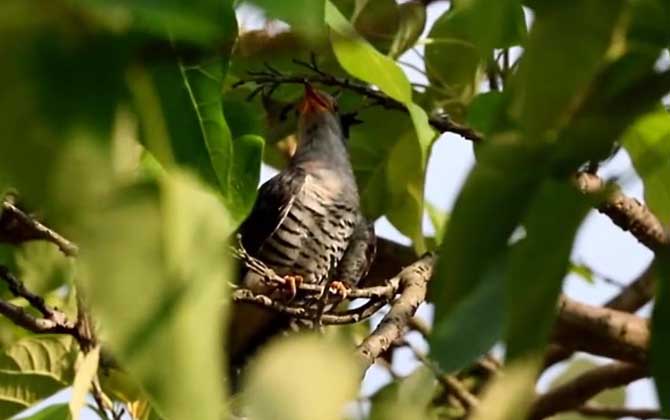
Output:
x=312 y=101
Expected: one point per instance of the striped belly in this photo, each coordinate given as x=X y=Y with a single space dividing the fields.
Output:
x=312 y=237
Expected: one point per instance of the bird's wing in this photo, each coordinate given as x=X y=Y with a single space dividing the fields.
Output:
x=359 y=254
x=273 y=203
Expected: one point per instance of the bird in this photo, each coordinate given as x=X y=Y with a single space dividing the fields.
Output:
x=306 y=225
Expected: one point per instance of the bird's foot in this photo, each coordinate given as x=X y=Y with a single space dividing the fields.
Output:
x=339 y=289
x=291 y=284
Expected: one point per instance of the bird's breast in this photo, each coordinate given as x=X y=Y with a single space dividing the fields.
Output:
x=314 y=235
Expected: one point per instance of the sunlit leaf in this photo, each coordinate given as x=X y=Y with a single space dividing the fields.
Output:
x=86 y=371
x=35 y=368
x=301 y=378
x=405 y=398
x=171 y=240
x=52 y=412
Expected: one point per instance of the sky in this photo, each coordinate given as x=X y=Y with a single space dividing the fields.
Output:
x=600 y=245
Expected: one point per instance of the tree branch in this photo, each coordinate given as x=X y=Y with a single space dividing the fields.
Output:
x=576 y=392
x=17 y=227
x=596 y=410
x=413 y=282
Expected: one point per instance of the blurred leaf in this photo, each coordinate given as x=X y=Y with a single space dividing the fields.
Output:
x=551 y=55
x=35 y=368
x=650 y=24
x=42 y=267
x=52 y=412
x=474 y=325
x=410 y=27
x=378 y=22
x=305 y=17
x=660 y=336
x=154 y=270
x=553 y=218
x=487 y=211
x=510 y=394
x=438 y=218
x=405 y=398
x=301 y=378
x=582 y=271
x=648 y=143
x=485 y=113
x=204 y=22
x=465 y=36
x=86 y=372
x=610 y=398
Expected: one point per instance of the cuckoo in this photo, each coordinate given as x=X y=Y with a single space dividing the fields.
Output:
x=306 y=223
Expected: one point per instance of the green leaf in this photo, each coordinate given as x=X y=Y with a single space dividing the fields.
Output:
x=582 y=271
x=552 y=221
x=34 y=368
x=86 y=372
x=305 y=17
x=377 y=21
x=301 y=378
x=153 y=272
x=406 y=398
x=412 y=21
x=52 y=412
x=463 y=38
x=487 y=211
x=551 y=55
x=479 y=317
x=204 y=22
x=610 y=398
x=648 y=143
x=388 y=166
x=660 y=334
x=438 y=218
x=485 y=113
x=183 y=120
x=510 y=394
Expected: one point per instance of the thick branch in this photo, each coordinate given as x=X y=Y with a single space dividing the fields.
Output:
x=575 y=393
x=626 y=212
x=602 y=331
x=413 y=282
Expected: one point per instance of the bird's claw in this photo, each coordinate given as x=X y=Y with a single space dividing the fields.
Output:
x=291 y=284
x=339 y=289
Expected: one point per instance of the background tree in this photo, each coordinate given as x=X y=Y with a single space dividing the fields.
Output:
x=133 y=136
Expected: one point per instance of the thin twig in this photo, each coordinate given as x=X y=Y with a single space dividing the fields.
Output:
x=449 y=382
x=17 y=227
x=597 y=410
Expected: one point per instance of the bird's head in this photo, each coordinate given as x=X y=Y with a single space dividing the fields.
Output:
x=317 y=116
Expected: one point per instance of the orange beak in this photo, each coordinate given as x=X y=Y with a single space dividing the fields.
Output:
x=312 y=101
